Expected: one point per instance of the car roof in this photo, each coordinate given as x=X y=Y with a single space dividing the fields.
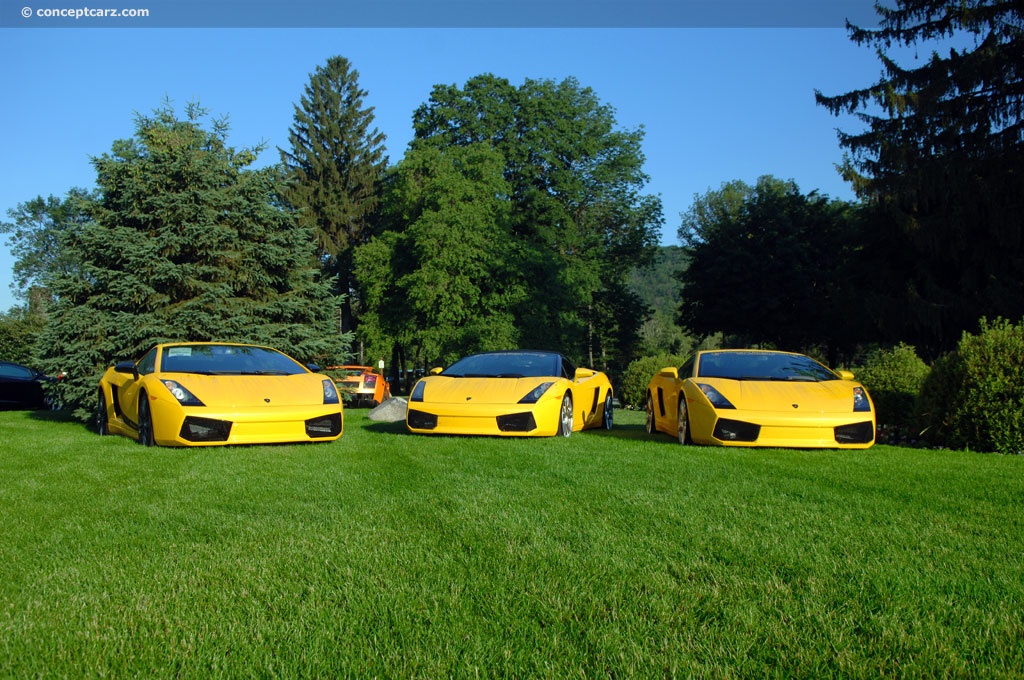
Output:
x=748 y=350
x=208 y=342
x=514 y=351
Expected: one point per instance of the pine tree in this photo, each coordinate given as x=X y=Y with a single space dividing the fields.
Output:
x=940 y=158
x=185 y=242
x=335 y=166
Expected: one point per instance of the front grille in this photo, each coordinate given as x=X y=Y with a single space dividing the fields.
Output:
x=517 y=422
x=858 y=433
x=324 y=426
x=736 y=431
x=418 y=420
x=205 y=430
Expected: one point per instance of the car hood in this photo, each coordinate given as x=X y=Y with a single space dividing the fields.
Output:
x=242 y=391
x=833 y=396
x=442 y=389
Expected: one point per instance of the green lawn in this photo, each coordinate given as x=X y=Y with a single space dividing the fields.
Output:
x=604 y=555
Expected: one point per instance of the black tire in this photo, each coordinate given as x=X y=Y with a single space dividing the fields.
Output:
x=683 y=422
x=145 y=422
x=101 y=421
x=565 y=416
x=608 y=415
x=649 y=425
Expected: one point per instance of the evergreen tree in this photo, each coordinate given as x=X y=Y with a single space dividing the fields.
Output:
x=335 y=165
x=184 y=242
x=940 y=158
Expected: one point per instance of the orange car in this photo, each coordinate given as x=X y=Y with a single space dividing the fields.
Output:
x=364 y=386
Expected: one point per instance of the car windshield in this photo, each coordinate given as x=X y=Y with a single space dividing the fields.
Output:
x=227 y=360
x=762 y=366
x=507 y=365
x=16 y=372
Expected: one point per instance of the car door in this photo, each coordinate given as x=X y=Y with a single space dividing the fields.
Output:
x=128 y=396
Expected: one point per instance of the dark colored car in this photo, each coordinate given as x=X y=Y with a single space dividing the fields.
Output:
x=21 y=387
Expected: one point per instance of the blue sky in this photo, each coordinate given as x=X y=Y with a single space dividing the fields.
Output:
x=717 y=104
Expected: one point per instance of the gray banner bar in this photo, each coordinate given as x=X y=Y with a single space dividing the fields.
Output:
x=437 y=13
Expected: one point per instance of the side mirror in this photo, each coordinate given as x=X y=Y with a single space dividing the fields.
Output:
x=669 y=372
x=127 y=367
x=584 y=373
x=845 y=375
x=313 y=367
x=436 y=370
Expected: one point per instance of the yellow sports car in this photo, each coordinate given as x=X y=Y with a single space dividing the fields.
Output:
x=760 y=398
x=518 y=393
x=364 y=386
x=202 y=394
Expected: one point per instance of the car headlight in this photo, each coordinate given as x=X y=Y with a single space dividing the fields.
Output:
x=184 y=397
x=330 y=393
x=715 y=397
x=536 y=393
x=417 y=392
x=860 y=400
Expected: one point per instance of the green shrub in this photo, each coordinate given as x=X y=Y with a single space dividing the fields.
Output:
x=639 y=373
x=935 y=404
x=894 y=378
x=974 y=397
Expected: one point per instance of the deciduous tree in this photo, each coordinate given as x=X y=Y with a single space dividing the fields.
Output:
x=770 y=265
x=578 y=215
x=443 y=280
x=38 y=233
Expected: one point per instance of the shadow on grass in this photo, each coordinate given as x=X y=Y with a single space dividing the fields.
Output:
x=632 y=432
x=397 y=427
x=51 y=416
x=628 y=431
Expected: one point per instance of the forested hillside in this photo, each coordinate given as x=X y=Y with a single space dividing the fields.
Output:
x=659 y=289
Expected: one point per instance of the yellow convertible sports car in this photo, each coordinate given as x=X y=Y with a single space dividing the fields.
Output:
x=202 y=394
x=760 y=398
x=520 y=393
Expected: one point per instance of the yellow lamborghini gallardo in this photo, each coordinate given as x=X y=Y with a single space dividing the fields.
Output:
x=760 y=398
x=520 y=393
x=203 y=394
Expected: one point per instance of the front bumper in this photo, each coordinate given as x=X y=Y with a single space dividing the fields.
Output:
x=499 y=420
x=174 y=425
x=785 y=430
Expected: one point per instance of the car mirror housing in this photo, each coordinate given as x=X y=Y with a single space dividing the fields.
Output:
x=669 y=372
x=582 y=373
x=844 y=375
x=127 y=367
x=436 y=370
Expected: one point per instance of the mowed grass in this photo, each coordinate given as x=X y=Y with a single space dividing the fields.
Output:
x=605 y=555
